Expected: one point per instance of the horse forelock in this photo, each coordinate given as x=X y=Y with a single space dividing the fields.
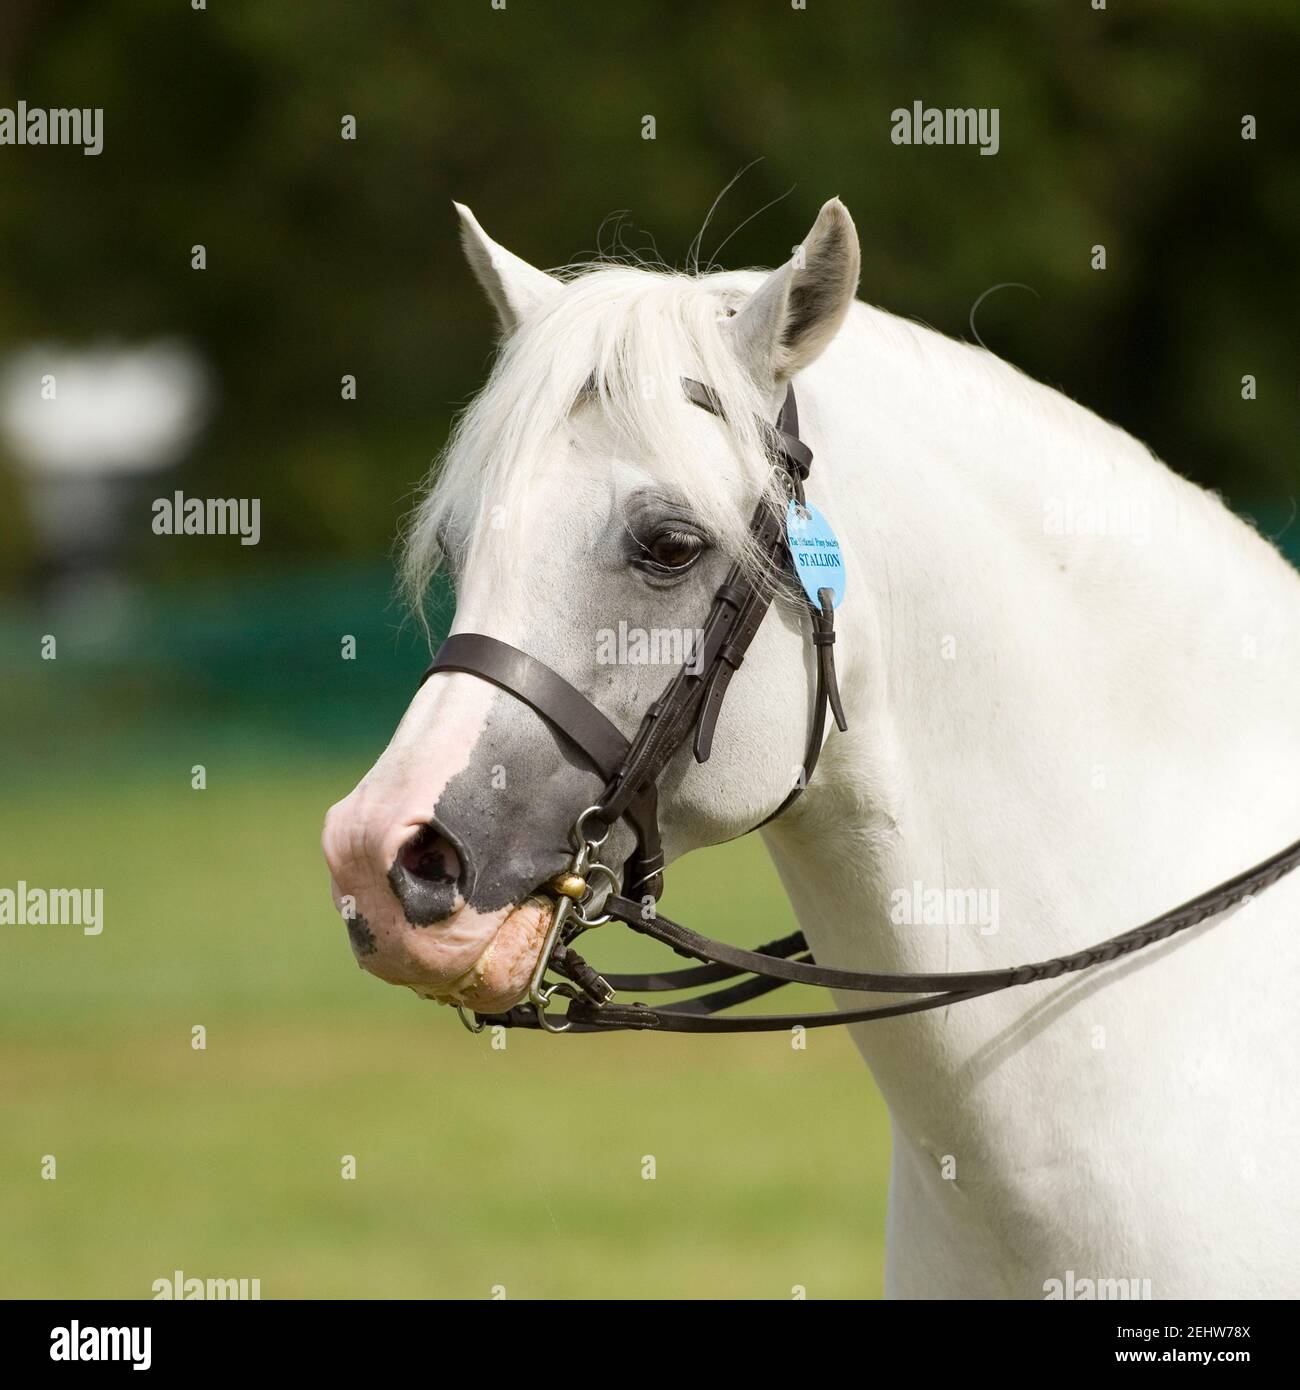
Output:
x=619 y=338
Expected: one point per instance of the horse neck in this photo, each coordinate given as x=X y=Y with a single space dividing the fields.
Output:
x=1084 y=729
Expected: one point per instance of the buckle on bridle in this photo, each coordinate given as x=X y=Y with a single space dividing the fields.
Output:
x=574 y=887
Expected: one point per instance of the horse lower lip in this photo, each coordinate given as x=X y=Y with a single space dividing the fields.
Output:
x=499 y=977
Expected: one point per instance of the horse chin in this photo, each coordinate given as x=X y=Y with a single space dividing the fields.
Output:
x=499 y=978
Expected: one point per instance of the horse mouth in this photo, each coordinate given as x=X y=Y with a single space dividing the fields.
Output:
x=499 y=978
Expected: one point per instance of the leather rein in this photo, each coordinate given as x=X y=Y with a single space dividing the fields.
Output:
x=688 y=708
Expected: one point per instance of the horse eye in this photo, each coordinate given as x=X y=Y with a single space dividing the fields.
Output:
x=674 y=550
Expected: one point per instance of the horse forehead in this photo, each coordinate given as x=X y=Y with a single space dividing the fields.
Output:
x=574 y=506
x=569 y=507
x=545 y=563
x=594 y=430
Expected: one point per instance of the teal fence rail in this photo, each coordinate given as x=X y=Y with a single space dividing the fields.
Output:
x=237 y=667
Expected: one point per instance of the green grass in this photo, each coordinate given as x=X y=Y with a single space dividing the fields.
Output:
x=475 y=1167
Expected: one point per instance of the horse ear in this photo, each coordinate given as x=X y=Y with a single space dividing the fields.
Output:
x=514 y=287
x=798 y=309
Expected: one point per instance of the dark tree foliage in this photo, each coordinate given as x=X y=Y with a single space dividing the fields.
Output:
x=1120 y=126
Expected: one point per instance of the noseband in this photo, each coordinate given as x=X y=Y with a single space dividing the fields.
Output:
x=688 y=708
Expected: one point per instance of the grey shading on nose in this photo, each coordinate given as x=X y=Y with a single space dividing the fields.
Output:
x=430 y=876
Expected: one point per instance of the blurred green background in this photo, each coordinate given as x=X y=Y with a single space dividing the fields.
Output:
x=328 y=257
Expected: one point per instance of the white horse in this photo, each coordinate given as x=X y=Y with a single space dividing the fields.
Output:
x=1072 y=682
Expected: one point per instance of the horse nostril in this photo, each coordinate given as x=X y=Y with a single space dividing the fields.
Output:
x=430 y=856
x=428 y=877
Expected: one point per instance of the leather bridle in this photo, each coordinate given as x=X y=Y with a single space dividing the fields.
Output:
x=689 y=708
